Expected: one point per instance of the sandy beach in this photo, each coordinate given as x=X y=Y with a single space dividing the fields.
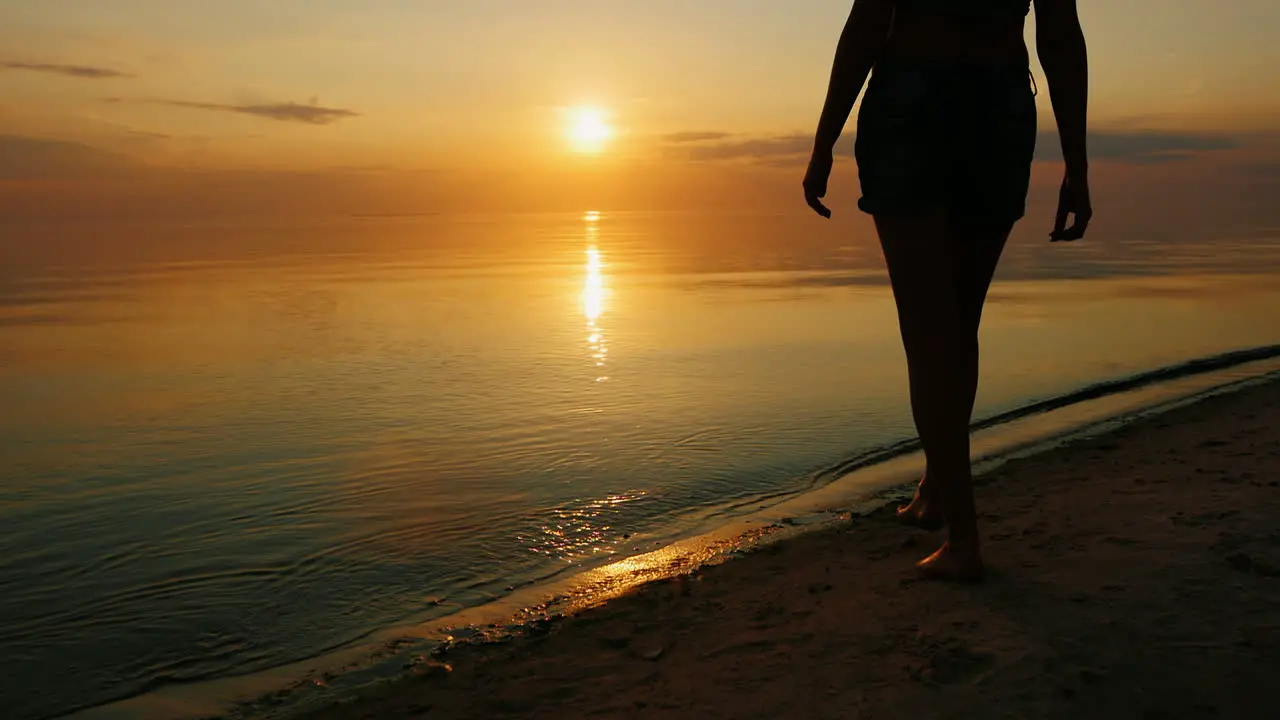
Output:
x=1131 y=575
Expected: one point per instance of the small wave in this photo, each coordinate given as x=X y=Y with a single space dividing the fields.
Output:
x=1096 y=391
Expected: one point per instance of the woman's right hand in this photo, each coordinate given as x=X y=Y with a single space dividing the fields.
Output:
x=1073 y=199
x=815 y=181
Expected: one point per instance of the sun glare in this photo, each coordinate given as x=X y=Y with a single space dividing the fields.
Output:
x=589 y=129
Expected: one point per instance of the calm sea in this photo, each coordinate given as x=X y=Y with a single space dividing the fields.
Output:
x=229 y=447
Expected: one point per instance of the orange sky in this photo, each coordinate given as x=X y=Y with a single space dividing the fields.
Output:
x=286 y=106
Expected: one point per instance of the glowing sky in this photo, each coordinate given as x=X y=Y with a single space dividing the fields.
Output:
x=483 y=86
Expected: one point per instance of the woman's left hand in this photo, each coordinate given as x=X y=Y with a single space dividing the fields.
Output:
x=815 y=182
x=1073 y=199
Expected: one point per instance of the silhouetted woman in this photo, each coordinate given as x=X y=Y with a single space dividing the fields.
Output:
x=944 y=144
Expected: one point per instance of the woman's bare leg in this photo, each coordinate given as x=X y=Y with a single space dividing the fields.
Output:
x=983 y=246
x=976 y=253
x=922 y=252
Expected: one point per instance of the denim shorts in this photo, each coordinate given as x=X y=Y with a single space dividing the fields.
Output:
x=954 y=137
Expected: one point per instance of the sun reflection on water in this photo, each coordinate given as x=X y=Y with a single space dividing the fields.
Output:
x=594 y=293
x=583 y=528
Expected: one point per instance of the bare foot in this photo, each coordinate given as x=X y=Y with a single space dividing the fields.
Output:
x=921 y=513
x=951 y=566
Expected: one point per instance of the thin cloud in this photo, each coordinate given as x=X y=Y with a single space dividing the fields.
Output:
x=775 y=150
x=760 y=148
x=284 y=112
x=1140 y=147
x=75 y=71
x=31 y=158
x=694 y=136
x=1136 y=147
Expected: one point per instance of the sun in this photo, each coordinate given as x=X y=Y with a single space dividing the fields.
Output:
x=588 y=129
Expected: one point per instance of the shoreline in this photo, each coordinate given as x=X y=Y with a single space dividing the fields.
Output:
x=723 y=620
x=390 y=654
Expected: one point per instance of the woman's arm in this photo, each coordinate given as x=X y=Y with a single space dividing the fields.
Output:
x=860 y=45
x=861 y=42
x=1060 y=44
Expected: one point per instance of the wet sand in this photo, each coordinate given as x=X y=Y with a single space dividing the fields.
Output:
x=1131 y=575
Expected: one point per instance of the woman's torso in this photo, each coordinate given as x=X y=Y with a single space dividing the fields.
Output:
x=962 y=31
